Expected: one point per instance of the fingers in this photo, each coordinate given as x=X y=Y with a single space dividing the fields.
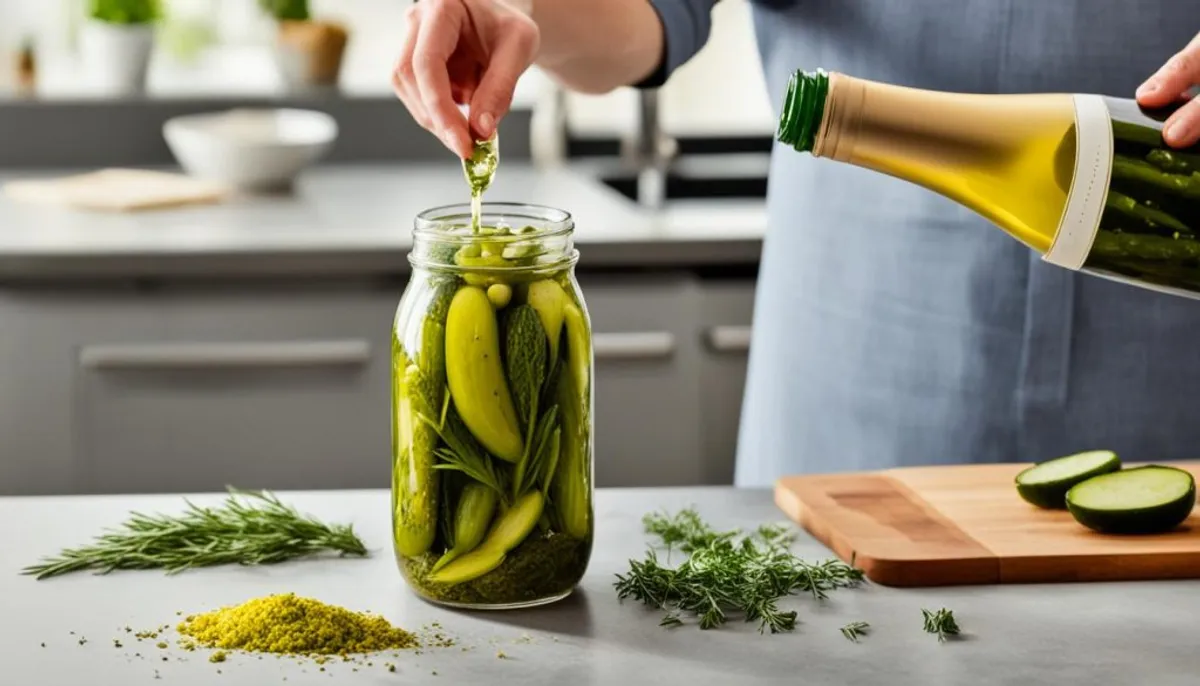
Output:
x=1182 y=128
x=463 y=94
x=440 y=28
x=402 y=73
x=420 y=77
x=514 y=51
x=1176 y=77
x=464 y=71
x=455 y=52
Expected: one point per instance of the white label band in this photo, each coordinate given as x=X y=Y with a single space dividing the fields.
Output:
x=1089 y=185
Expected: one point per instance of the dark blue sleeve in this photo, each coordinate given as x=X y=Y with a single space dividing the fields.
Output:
x=686 y=25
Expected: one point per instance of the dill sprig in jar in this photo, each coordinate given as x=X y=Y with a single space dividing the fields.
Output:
x=492 y=410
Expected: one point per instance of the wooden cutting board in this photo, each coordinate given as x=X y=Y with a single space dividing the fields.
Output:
x=118 y=190
x=956 y=525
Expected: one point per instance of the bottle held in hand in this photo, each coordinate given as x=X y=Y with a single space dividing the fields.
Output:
x=1085 y=180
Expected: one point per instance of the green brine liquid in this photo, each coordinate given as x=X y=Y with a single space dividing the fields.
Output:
x=479 y=169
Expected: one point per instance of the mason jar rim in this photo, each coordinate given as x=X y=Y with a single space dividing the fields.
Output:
x=555 y=225
x=426 y=224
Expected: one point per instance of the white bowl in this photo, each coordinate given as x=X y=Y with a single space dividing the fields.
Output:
x=250 y=149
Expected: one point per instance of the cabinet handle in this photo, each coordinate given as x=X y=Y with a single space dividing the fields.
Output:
x=632 y=346
x=729 y=339
x=216 y=355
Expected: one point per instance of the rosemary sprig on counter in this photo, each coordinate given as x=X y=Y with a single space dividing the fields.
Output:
x=684 y=530
x=855 y=629
x=262 y=531
x=726 y=573
x=941 y=623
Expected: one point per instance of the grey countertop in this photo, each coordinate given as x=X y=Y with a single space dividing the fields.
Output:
x=357 y=219
x=1097 y=634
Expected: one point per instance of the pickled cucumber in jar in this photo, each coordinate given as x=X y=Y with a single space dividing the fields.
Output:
x=492 y=447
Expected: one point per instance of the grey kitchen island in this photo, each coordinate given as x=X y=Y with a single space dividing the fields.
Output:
x=247 y=342
x=1100 y=634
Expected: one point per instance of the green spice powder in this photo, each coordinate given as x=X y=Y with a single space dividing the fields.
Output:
x=289 y=624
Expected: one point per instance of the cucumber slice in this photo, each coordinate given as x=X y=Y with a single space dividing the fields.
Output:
x=1046 y=484
x=1141 y=500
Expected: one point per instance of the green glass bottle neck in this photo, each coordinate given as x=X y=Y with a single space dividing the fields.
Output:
x=803 y=109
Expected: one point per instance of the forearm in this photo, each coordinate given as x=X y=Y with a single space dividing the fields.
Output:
x=594 y=46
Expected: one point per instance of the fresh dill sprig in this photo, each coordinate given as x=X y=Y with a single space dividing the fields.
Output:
x=941 y=623
x=462 y=452
x=855 y=629
x=727 y=573
x=684 y=530
x=242 y=533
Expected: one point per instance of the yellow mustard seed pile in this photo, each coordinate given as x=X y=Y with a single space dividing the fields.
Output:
x=289 y=624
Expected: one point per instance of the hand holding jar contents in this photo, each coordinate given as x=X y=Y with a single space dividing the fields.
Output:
x=471 y=53
x=468 y=52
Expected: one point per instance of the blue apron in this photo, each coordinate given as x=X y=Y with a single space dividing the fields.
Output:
x=893 y=327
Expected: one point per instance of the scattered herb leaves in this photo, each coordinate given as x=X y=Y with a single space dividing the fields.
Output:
x=853 y=630
x=462 y=452
x=725 y=573
x=941 y=623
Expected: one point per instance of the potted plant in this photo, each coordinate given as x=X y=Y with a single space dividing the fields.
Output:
x=308 y=51
x=115 y=42
x=26 y=67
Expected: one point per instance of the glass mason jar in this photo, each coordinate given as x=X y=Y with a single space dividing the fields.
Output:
x=492 y=410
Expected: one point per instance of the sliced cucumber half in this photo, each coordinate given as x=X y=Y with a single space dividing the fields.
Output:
x=1140 y=500
x=1046 y=484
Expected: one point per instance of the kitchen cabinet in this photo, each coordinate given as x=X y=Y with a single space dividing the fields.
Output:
x=274 y=388
x=671 y=352
x=36 y=386
x=647 y=389
x=195 y=386
x=175 y=389
x=725 y=319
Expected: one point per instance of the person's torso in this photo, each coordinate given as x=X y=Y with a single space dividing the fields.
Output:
x=907 y=328
x=1106 y=46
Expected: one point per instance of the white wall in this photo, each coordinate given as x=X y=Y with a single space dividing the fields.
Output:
x=719 y=91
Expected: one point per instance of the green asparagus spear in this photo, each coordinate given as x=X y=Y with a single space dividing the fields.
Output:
x=1149 y=217
x=1143 y=246
x=1173 y=161
x=1126 y=169
x=1135 y=133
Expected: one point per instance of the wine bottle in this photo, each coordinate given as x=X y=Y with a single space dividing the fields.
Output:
x=1085 y=180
